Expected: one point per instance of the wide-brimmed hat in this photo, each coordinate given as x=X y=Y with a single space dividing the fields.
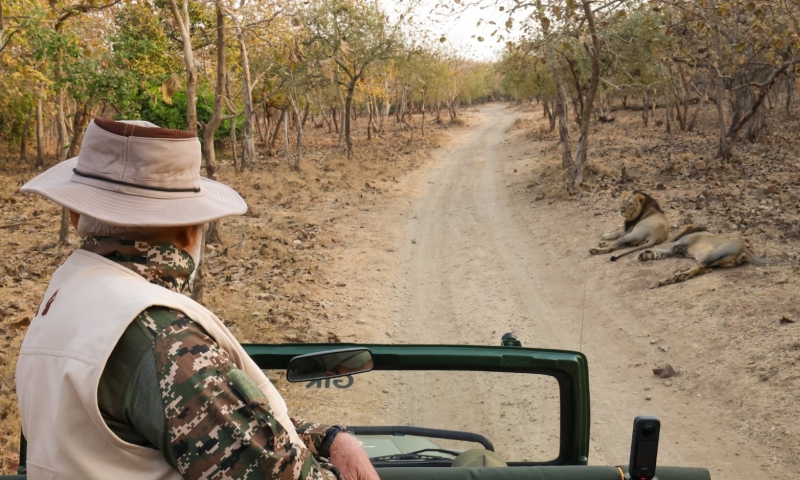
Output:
x=132 y=173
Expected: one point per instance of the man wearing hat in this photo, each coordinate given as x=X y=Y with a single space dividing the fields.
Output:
x=121 y=376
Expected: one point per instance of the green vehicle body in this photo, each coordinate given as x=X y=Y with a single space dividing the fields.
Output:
x=570 y=369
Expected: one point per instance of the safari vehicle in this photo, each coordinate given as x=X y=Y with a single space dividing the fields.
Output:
x=446 y=412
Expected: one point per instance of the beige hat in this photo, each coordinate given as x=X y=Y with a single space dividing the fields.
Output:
x=132 y=173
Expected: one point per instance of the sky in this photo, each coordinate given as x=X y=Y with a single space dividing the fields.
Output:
x=461 y=30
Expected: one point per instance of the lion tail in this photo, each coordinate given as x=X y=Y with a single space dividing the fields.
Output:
x=649 y=244
x=752 y=258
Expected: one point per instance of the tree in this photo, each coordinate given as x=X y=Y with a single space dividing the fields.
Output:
x=353 y=35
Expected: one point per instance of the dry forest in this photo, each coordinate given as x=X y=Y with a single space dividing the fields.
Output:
x=314 y=109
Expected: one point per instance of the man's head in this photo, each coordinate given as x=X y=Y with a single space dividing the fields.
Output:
x=187 y=237
x=134 y=180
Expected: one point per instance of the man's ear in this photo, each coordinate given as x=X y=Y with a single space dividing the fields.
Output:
x=73 y=219
x=186 y=237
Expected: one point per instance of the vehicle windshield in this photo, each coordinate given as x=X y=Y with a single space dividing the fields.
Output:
x=519 y=413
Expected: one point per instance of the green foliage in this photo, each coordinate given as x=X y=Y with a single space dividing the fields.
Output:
x=174 y=116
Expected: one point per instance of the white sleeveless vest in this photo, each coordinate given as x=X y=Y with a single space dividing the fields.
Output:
x=86 y=309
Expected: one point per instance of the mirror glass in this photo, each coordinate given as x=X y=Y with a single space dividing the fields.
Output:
x=336 y=363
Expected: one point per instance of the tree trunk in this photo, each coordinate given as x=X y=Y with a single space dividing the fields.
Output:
x=600 y=106
x=755 y=125
x=278 y=126
x=248 y=143
x=39 y=133
x=409 y=125
x=387 y=105
x=198 y=285
x=267 y=129
x=183 y=23
x=24 y=141
x=422 y=130
x=294 y=160
x=756 y=104
x=61 y=125
x=258 y=125
x=722 y=149
x=306 y=111
x=376 y=115
x=369 y=117
x=703 y=97
x=351 y=88
x=325 y=119
x=344 y=110
x=79 y=121
x=61 y=152
x=645 y=108
x=401 y=103
x=286 y=138
x=741 y=101
x=210 y=129
x=234 y=143
x=668 y=111
x=562 y=113
x=594 y=55
x=685 y=95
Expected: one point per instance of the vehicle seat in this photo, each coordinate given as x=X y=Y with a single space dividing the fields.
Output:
x=479 y=457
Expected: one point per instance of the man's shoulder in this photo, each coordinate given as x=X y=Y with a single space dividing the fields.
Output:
x=156 y=318
x=141 y=333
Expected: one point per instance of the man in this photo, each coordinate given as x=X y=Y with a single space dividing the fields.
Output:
x=119 y=375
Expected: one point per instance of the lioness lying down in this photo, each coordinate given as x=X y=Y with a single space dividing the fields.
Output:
x=645 y=226
x=710 y=250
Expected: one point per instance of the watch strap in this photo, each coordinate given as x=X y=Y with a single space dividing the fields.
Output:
x=325 y=448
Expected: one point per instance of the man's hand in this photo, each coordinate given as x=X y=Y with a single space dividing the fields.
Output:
x=351 y=460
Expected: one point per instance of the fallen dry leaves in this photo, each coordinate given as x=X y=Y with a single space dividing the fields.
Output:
x=745 y=358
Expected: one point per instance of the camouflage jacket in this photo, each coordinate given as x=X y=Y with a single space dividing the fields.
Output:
x=169 y=386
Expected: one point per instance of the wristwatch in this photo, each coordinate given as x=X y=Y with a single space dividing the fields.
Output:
x=325 y=448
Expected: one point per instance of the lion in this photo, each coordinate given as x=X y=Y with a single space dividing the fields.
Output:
x=645 y=226
x=709 y=249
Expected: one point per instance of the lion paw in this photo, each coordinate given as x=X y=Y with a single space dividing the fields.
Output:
x=679 y=277
x=602 y=244
x=646 y=256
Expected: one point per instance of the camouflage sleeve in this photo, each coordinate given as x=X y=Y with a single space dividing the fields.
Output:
x=312 y=434
x=220 y=424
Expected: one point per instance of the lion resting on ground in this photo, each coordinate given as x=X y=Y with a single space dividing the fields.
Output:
x=645 y=226
x=710 y=250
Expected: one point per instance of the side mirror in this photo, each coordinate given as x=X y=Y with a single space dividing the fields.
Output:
x=330 y=364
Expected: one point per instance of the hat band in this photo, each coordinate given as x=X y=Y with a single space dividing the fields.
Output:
x=128 y=184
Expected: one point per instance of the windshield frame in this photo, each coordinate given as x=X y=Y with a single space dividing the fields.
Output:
x=570 y=369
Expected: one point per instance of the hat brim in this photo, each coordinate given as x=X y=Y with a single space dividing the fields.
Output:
x=215 y=201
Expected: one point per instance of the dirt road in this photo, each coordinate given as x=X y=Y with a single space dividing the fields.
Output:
x=476 y=257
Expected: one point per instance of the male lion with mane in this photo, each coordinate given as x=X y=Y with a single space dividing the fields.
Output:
x=645 y=226
x=709 y=249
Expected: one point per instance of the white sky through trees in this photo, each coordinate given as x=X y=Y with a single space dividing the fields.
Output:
x=432 y=20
